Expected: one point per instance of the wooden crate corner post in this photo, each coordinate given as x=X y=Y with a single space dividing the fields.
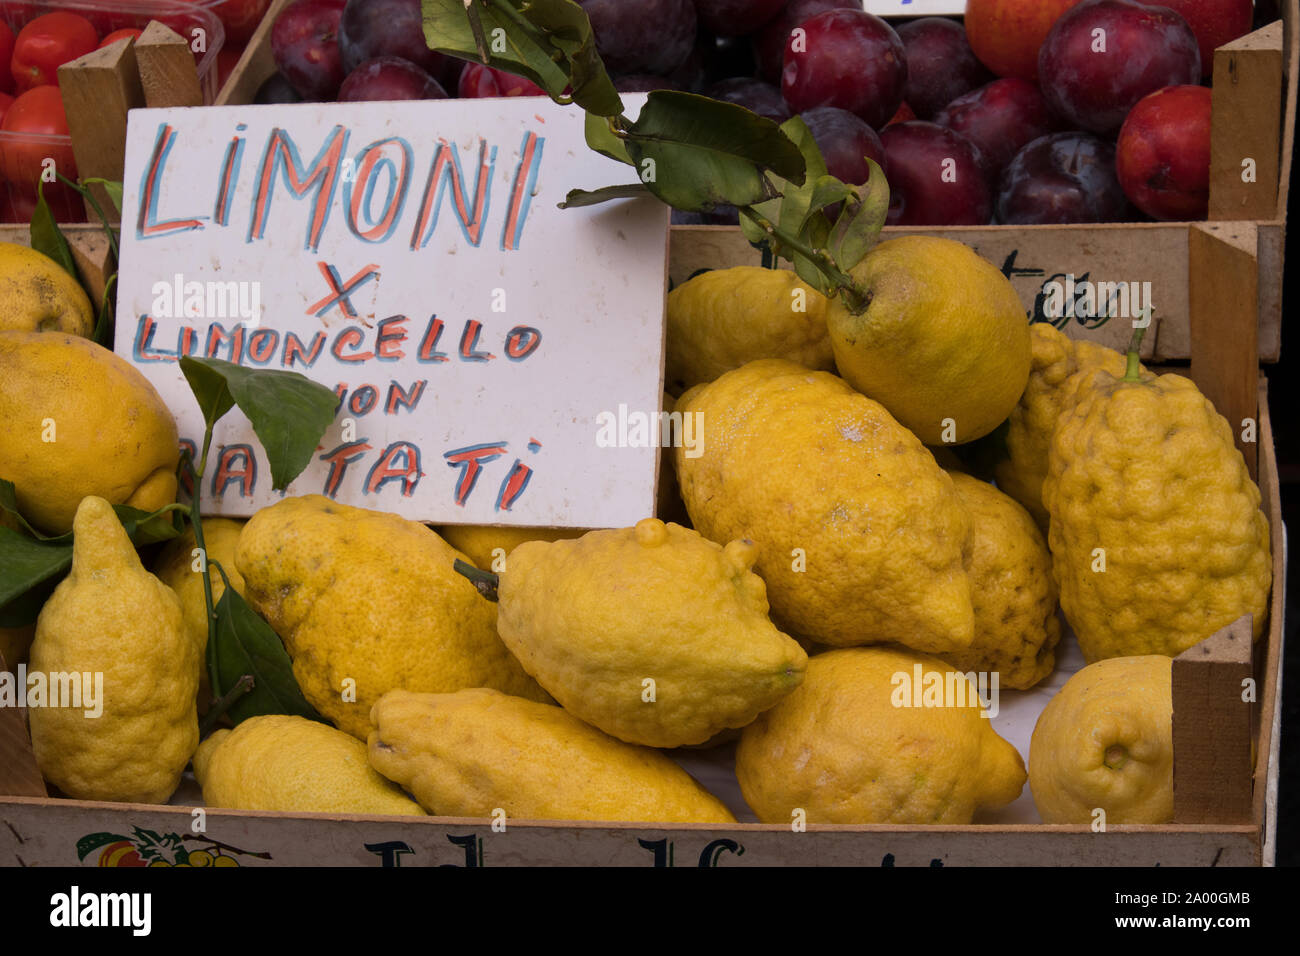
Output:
x=168 y=74
x=97 y=91
x=1212 y=728
x=1246 y=127
x=1223 y=324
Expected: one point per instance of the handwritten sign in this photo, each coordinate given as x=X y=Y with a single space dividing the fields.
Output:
x=411 y=257
x=915 y=8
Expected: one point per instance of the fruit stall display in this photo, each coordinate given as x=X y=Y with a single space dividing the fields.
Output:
x=1046 y=502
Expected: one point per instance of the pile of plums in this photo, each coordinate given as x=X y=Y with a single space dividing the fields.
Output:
x=1026 y=111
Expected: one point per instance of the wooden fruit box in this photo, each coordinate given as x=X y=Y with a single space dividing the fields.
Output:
x=1225 y=809
x=1225 y=748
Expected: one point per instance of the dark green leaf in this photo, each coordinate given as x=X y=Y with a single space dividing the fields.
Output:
x=9 y=504
x=570 y=32
x=288 y=411
x=210 y=390
x=602 y=139
x=584 y=197
x=104 y=324
x=26 y=565
x=447 y=29
x=113 y=189
x=708 y=153
x=242 y=644
x=861 y=219
x=47 y=238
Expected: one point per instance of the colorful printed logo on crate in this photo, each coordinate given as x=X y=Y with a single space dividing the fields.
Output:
x=412 y=258
x=150 y=848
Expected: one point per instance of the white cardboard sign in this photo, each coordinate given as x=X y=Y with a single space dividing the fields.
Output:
x=411 y=257
x=915 y=8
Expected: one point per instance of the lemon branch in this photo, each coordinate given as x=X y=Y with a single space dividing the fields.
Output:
x=485 y=582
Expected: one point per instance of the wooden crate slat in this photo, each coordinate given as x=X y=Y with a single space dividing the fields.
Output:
x=1247 y=126
x=168 y=73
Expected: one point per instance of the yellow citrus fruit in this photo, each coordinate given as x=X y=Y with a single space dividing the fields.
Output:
x=487 y=546
x=1012 y=588
x=944 y=342
x=1156 y=533
x=859 y=533
x=1106 y=741
x=110 y=616
x=721 y=319
x=653 y=634
x=367 y=602
x=280 y=762
x=852 y=746
x=38 y=295
x=79 y=421
x=478 y=752
x=199 y=858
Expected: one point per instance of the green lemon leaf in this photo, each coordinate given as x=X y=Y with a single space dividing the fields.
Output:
x=448 y=29
x=288 y=411
x=592 y=197
x=569 y=30
x=602 y=139
x=696 y=153
x=113 y=189
x=244 y=644
x=46 y=236
x=861 y=219
x=29 y=570
x=104 y=324
x=789 y=210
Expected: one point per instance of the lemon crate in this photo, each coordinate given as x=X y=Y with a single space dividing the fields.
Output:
x=1216 y=290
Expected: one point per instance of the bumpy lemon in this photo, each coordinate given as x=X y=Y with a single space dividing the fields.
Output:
x=944 y=343
x=366 y=602
x=859 y=533
x=110 y=616
x=487 y=546
x=477 y=752
x=1156 y=534
x=1012 y=588
x=1106 y=741
x=721 y=319
x=654 y=634
x=79 y=421
x=843 y=749
x=279 y=762
x=38 y=295
x=1059 y=365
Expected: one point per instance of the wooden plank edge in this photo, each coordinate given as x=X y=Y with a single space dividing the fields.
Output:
x=255 y=65
x=1270 y=695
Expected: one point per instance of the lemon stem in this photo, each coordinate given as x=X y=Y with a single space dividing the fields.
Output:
x=223 y=704
x=485 y=581
x=1134 y=371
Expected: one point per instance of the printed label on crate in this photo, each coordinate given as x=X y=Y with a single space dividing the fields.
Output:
x=483 y=343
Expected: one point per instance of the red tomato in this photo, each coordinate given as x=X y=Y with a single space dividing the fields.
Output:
x=38 y=113
x=47 y=43
x=122 y=34
x=18 y=205
x=240 y=18
x=5 y=100
x=6 y=54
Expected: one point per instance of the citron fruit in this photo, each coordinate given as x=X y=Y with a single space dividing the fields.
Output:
x=113 y=618
x=477 y=752
x=175 y=567
x=38 y=295
x=487 y=546
x=944 y=342
x=1106 y=741
x=1012 y=588
x=653 y=634
x=1059 y=365
x=367 y=602
x=1156 y=533
x=80 y=421
x=721 y=319
x=291 y=764
x=859 y=533
x=846 y=747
